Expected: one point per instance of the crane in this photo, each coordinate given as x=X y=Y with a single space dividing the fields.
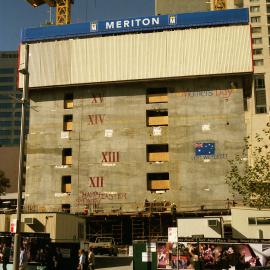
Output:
x=63 y=9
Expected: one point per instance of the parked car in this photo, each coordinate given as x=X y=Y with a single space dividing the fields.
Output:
x=104 y=245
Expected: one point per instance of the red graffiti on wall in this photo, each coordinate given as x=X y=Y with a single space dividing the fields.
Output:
x=96 y=181
x=95 y=119
x=97 y=98
x=110 y=157
x=225 y=93
x=95 y=197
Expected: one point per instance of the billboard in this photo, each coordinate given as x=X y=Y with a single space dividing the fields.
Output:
x=214 y=254
x=138 y=24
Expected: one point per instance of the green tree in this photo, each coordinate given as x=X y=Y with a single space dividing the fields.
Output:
x=250 y=177
x=4 y=182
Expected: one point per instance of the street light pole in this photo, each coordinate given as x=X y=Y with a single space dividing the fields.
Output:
x=17 y=237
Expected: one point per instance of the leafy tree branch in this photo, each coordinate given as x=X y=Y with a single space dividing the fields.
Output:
x=250 y=178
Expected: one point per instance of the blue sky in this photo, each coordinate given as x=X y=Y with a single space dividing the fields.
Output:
x=18 y=14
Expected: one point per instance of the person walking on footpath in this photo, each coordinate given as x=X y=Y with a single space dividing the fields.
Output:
x=91 y=259
x=82 y=260
x=23 y=259
x=6 y=254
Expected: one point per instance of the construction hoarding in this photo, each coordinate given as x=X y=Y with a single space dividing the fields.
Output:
x=214 y=253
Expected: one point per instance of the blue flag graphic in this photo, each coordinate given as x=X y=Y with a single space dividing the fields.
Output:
x=204 y=149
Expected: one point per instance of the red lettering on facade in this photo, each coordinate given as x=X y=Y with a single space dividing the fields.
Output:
x=97 y=98
x=96 y=119
x=96 y=181
x=95 y=197
x=110 y=157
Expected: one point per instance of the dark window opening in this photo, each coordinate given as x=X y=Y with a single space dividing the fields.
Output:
x=68 y=101
x=157 y=95
x=66 y=208
x=68 y=122
x=158 y=181
x=251 y=220
x=157 y=152
x=260 y=96
x=67 y=156
x=157 y=117
x=66 y=184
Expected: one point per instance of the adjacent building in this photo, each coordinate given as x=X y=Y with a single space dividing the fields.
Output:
x=10 y=124
x=10 y=106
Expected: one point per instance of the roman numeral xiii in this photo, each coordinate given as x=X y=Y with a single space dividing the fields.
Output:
x=110 y=157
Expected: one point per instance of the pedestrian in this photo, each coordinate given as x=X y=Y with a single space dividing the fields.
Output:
x=59 y=259
x=23 y=259
x=82 y=260
x=5 y=257
x=91 y=259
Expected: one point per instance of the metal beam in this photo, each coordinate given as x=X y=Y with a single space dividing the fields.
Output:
x=17 y=236
x=63 y=12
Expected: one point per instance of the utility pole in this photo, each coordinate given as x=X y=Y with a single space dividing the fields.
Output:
x=17 y=237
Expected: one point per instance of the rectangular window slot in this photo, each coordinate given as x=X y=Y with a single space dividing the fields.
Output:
x=66 y=208
x=67 y=156
x=254 y=9
x=157 y=117
x=157 y=95
x=256 y=19
x=260 y=96
x=68 y=101
x=157 y=152
x=259 y=220
x=257 y=51
x=68 y=122
x=66 y=184
x=158 y=181
x=255 y=30
x=263 y=221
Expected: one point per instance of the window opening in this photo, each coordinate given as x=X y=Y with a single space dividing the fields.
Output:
x=157 y=95
x=157 y=152
x=158 y=181
x=67 y=156
x=68 y=101
x=66 y=184
x=68 y=122
x=157 y=117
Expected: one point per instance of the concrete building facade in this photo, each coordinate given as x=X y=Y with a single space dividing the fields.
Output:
x=158 y=138
x=125 y=129
x=257 y=110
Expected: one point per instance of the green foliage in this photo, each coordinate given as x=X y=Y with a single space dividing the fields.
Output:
x=4 y=182
x=251 y=179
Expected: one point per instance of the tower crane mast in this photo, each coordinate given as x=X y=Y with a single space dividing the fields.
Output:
x=63 y=9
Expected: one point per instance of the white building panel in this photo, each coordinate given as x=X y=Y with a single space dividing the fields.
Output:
x=188 y=227
x=251 y=223
x=34 y=63
x=79 y=57
x=63 y=62
x=167 y=54
x=48 y=57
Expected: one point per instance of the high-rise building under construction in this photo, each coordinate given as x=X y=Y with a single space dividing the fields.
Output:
x=133 y=129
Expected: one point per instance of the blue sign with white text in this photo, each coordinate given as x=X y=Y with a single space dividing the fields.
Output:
x=142 y=24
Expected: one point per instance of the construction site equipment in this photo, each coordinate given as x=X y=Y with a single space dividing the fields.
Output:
x=63 y=9
x=104 y=245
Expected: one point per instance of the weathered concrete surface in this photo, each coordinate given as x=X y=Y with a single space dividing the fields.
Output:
x=199 y=110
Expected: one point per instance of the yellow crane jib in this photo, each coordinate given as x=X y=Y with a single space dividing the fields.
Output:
x=63 y=9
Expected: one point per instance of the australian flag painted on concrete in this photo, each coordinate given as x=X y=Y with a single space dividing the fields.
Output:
x=204 y=149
